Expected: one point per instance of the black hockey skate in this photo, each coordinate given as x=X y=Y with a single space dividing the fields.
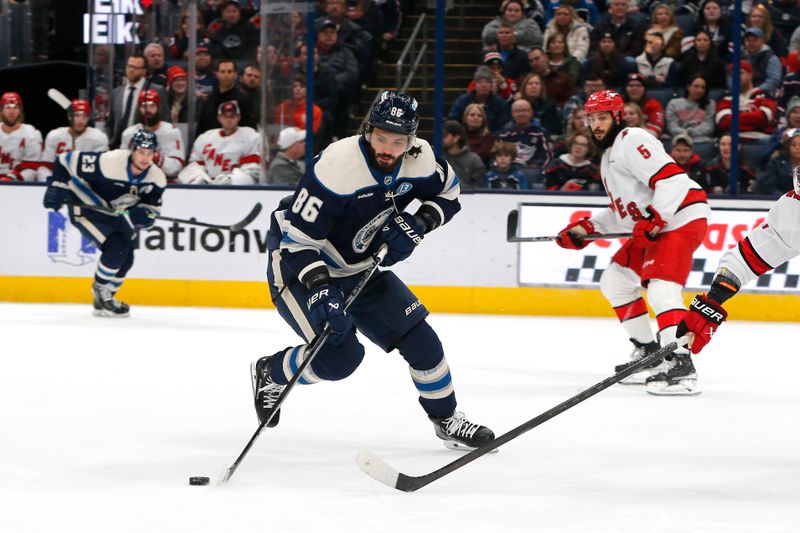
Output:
x=105 y=304
x=677 y=378
x=640 y=350
x=458 y=433
x=265 y=391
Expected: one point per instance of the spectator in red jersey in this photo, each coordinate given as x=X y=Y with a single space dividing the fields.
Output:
x=574 y=171
x=757 y=111
x=636 y=92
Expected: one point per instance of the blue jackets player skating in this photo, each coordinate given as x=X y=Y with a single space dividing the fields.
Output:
x=350 y=202
x=123 y=180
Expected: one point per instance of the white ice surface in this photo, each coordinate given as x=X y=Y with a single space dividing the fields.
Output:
x=102 y=422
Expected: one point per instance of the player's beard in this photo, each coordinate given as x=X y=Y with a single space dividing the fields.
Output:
x=384 y=167
x=150 y=120
x=608 y=140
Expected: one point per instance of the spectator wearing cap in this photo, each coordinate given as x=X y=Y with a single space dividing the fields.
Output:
x=575 y=31
x=627 y=31
x=711 y=19
x=343 y=66
x=693 y=114
x=467 y=165
x=497 y=111
x=792 y=120
x=718 y=170
x=515 y=61
x=177 y=90
x=124 y=100
x=293 y=111
x=350 y=35
x=205 y=79
x=608 y=63
x=178 y=42
x=702 y=59
x=236 y=38
x=533 y=148
x=767 y=68
x=777 y=178
x=759 y=17
x=636 y=92
x=526 y=30
x=757 y=110
x=683 y=154
x=560 y=59
x=225 y=91
x=503 y=87
x=654 y=64
x=156 y=69
x=287 y=167
x=229 y=155
x=559 y=85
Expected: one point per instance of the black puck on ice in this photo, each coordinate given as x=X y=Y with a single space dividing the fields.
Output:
x=198 y=480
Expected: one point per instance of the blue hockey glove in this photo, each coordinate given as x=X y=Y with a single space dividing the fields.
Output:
x=325 y=305
x=55 y=195
x=402 y=233
x=141 y=217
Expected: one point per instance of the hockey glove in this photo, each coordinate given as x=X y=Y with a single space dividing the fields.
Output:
x=705 y=316
x=142 y=217
x=55 y=195
x=645 y=231
x=572 y=236
x=402 y=233
x=325 y=305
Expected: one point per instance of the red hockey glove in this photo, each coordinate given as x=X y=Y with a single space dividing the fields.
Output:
x=572 y=236
x=705 y=316
x=645 y=231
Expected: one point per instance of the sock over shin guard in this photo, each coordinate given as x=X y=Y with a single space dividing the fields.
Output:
x=667 y=303
x=620 y=286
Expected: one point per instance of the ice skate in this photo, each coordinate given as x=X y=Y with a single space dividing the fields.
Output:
x=640 y=351
x=265 y=391
x=105 y=304
x=678 y=378
x=458 y=433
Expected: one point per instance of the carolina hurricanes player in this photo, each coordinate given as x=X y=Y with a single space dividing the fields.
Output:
x=229 y=155
x=20 y=144
x=170 y=156
x=769 y=245
x=666 y=211
x=78 y=136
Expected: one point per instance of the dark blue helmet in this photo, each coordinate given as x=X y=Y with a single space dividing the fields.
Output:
x=395 y=112
x=144 y=139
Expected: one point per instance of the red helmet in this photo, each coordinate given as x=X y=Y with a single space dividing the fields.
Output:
x=149 y=96
x=80 y=106
x=11 y=99
x=605 y=101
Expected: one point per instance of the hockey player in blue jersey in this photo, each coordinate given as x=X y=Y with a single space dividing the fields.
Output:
x=126 y=181
x=351 y=201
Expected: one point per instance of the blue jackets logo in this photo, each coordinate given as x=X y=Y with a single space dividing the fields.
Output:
x=365 y=235
x=65 y=244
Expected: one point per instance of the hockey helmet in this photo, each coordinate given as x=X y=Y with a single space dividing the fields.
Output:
x=79 y=106
x=789 y=134
x=396 y=112
x=606 y=100
x=149 y=96
x=231 y=106
x=11 y=98
x=144 y=139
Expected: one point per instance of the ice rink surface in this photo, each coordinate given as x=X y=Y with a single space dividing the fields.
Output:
x=102 y=422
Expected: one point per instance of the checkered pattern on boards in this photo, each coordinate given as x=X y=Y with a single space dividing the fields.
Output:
x=588 y=269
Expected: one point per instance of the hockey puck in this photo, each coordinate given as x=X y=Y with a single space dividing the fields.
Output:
x=198 y=480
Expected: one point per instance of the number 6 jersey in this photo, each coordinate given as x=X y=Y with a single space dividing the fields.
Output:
x=637 y=173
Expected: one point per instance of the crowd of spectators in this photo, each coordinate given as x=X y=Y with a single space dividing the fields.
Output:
x=671 y=61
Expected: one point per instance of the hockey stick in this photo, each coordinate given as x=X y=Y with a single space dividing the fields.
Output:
x=375 y=467
x=239 y=226
x=59 y=98
x=313 y=350
x=513 y=223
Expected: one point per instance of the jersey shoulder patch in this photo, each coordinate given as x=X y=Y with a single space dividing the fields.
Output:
x=342 y=169
x=420 y=162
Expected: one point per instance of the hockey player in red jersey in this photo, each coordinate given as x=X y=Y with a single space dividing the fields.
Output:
x=666 y=211
x=20 y=143
x=769 y=245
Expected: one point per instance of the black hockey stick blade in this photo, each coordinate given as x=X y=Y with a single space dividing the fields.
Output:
x=376 y=468
x=239 y=226
x=251 y=216
x=512 y=223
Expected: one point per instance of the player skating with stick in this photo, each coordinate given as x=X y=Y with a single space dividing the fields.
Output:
x=652 y=197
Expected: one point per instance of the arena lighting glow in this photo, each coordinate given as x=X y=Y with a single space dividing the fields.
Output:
x=112 y=22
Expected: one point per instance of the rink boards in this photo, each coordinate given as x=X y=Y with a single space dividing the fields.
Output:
x=465 y=267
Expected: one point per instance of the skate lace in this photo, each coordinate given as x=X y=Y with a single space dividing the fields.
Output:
x=459 y=425
x=271 y=392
